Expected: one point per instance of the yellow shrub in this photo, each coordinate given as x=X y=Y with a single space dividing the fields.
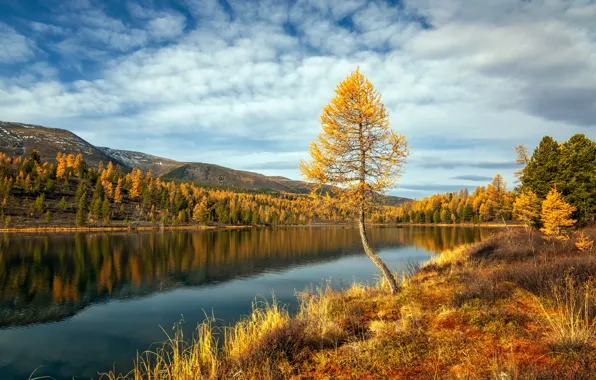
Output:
x=584 y=243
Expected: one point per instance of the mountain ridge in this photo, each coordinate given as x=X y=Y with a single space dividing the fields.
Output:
x=18 y=139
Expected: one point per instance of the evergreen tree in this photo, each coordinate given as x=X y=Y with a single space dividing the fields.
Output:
x=62 y=204
x=105 y=210
x=577 y=176
x=82 y=210
x=436 y=217
x=542 y=171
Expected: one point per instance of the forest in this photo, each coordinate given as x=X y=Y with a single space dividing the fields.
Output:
x=566 y=170
x=70 y=192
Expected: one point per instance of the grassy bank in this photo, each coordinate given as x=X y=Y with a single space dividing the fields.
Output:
x=513 y=306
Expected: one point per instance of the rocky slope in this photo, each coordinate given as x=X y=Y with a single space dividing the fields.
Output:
x=17 y=139
x=145 y=162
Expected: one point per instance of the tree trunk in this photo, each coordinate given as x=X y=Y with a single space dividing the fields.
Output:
x=374 y=257
x=504 y=222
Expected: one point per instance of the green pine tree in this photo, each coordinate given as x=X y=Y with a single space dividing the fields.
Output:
x=577 y=177
x=542 y=172
x=82 y=210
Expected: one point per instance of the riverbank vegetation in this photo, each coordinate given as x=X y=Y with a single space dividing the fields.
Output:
x=517 y=305
x=67 y=192
x=569 y=167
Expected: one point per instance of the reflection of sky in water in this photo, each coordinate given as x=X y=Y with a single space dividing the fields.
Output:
x=110 y=333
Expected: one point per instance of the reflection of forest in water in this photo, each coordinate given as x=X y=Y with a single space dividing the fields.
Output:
x=50 y=277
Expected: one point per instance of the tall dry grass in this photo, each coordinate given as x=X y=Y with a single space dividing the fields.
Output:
x=572 y=317
x=202 y=357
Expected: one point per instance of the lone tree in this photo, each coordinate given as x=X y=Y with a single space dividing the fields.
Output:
x=556 y=216
x=357 y=153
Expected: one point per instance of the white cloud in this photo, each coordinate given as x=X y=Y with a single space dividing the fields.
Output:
x=260 y=75
x=15 y=46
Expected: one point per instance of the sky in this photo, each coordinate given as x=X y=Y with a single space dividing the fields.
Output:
x=242 y=83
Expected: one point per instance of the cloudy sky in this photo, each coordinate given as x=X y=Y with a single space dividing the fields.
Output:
x=242 y=83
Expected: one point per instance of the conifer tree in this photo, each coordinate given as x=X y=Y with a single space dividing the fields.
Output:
x=358 y=152
x=526 y=208
x=541 y=172
x=61 y=168
x=556 y=216
x=82 y=210
x=137 y=184
x=118 y=192
x=105 y=210
x=62 y=204
x=577 y=176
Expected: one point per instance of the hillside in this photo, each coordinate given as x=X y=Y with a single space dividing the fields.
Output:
x=146 y=162
x=17 y=139
x=226 y=177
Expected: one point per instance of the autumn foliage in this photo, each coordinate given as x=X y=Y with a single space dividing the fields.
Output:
x=556 y=216
x=357 y=153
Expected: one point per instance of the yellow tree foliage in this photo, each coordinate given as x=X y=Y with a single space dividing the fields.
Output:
x=118 y=192
x=556 y=216
x=526 y=208
x=357 y=152
x=79 y=164
x=583 y=243
x=137 y=183
x=61 y=168
x=70 y=161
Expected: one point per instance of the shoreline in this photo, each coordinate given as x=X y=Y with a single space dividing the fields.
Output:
x=130 y=228
x=476 y=301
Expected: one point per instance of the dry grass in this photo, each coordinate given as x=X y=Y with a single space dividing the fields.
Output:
x=511 y=307
x=573 y=317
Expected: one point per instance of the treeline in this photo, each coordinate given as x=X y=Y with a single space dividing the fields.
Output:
x=557 y=182
x=70 y=192
x=568 y=167
x=486 y=204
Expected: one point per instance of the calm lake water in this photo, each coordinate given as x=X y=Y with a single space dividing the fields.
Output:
x=77 y=305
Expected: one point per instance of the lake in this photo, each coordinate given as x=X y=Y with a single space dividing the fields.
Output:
x=80 y=304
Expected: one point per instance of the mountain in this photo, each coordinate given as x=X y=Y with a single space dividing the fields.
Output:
x=226 y=177
x=17 y=139
x=145 y=162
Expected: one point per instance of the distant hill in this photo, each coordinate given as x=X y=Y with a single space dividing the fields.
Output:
x=18 y=139
x=145 y=162
x=226 y=177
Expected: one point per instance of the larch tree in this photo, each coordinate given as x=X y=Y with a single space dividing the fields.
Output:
x=522 y=159
x=556 y=216
x=526 y=208
x=357 y=153
x=118 y=192
x=61 y=168
x=497 y=198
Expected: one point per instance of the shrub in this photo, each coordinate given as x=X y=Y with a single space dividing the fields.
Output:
x=584 y=243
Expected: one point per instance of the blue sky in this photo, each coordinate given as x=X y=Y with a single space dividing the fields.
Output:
x=242 y=83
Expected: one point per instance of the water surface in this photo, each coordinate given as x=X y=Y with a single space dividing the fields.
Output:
x=79 y=304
